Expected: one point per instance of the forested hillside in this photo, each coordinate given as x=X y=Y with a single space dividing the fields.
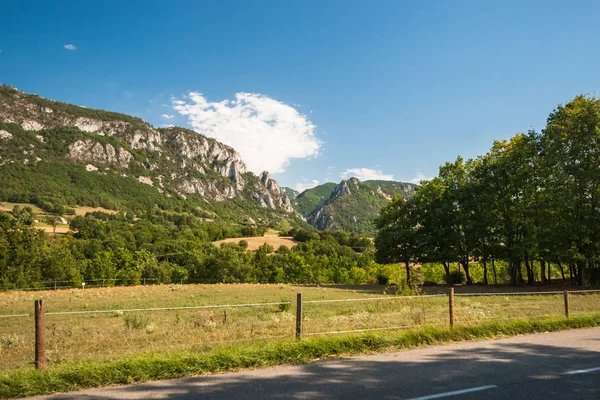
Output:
x=309 y=199
x=352 y=205
x=531 y=202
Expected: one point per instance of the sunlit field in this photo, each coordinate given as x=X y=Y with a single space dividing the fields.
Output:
x=117 y=333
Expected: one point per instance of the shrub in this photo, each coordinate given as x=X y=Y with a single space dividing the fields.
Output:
x=382 y=279
x=455 y=277
x=403 y=289
x=284 y=305
x=136 y=321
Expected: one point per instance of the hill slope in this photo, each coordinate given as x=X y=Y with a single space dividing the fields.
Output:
x=306 y=201
x=352 y=205
x=55 y=155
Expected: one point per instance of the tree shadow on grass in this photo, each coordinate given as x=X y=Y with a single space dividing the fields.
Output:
x=521 y=371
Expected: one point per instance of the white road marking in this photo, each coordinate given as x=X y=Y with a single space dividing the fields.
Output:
x=581 y=371
x=456 y=392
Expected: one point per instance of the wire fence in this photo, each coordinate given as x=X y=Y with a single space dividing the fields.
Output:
x=113 y=333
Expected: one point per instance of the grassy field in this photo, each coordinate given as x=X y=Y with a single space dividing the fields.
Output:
x=5 y=206
x=79 y=210
x=119 y=334
x=256 y=241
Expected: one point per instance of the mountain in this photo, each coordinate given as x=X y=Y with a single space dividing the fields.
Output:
x=352 y=205
x=306 y=201
x=58 y=155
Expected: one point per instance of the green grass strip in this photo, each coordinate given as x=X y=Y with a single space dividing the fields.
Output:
x=74 y=376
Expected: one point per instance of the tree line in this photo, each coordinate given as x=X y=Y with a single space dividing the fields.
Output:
x=532 y=200
x=171 y=248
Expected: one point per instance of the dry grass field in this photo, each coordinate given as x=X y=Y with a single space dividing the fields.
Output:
x=255 y=242
x=80 y=210
x=60 y=230
x=4 y=206
x=119 y=333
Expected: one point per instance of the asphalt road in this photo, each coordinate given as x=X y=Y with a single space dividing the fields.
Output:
x=561 y=365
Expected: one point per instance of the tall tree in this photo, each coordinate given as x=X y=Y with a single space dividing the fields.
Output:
x=572 y=153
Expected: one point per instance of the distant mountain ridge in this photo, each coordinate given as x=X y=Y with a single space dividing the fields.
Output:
x=351 y=205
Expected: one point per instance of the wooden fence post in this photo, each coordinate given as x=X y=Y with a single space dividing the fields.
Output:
x=298 y=315
x=567 y=303
x=451 y=306
x=40 y=335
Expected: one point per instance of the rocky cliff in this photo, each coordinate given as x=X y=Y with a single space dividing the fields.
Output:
x=175 y=161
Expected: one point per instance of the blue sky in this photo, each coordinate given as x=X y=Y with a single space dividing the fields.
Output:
x=317 y=90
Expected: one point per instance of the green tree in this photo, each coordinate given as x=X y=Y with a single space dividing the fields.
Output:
x=397 y=238
x=571 y=156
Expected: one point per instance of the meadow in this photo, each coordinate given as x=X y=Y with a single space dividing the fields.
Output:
x=82 y=335
x=254 y=242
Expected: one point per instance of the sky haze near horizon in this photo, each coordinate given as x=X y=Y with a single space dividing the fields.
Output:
x=314 y=91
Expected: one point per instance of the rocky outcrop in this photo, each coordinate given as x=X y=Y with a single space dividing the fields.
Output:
x=382 y=193
x=205 y=188
x=31 y=125
x=88 y=150
x=5 y=135
x=146 y=180
x=340 y=189
x=277 y=197
x=320 y=219
x=200 y=152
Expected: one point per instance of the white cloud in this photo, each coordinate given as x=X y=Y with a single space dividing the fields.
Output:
x=167 y=116
x=266 y=132
x=70 y=47
x=366 y=174
x=420 y=177
x=301 y=187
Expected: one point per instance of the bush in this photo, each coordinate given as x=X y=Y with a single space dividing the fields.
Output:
x=284 y=305
x=403 y=289
x=455 y=277
x=382 y=279
x=303 y=235
x=136 y=321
